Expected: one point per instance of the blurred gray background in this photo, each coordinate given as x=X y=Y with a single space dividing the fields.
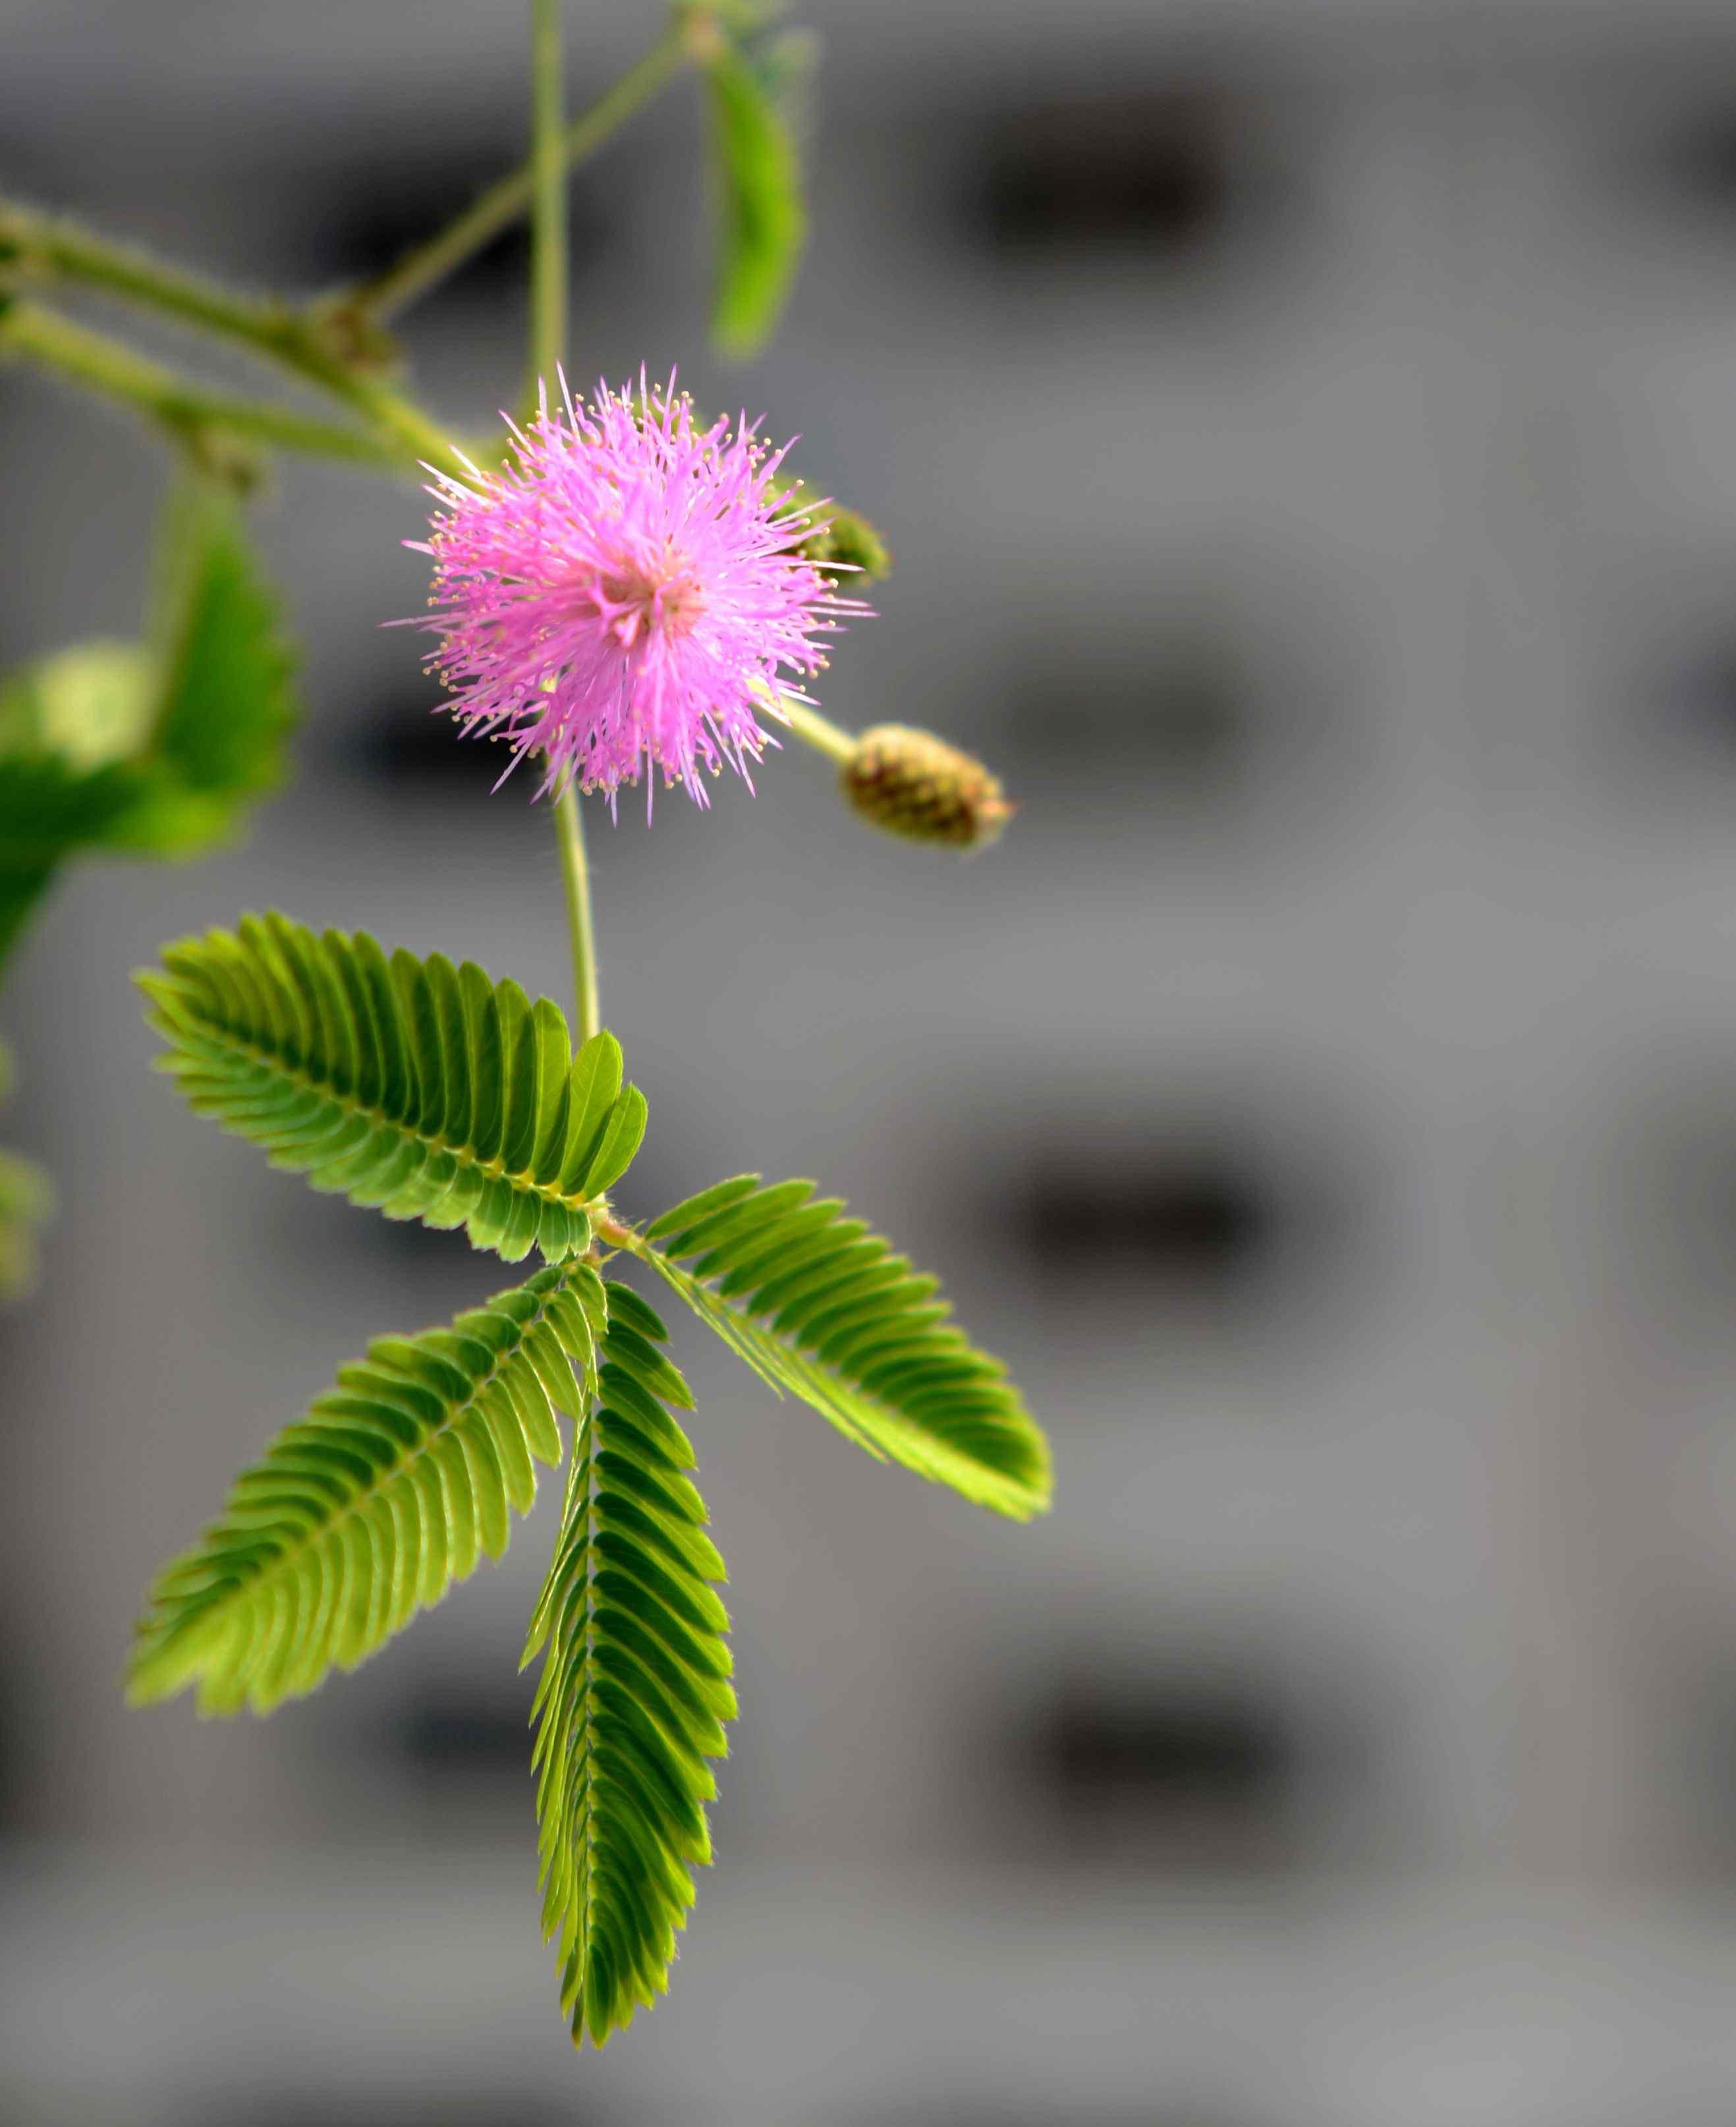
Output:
x=1308 y=433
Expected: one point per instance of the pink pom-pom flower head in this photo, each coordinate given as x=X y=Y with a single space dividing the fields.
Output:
x=627 y=594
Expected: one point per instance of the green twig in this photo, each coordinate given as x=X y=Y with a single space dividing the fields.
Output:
x=193 y=417
x=548 y=196
x=548 y=345
x=46 y=249
x=428 y=264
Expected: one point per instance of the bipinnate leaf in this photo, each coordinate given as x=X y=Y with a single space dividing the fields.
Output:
x=822 y=1309
x=763 y=223
x=421 y=1090
x=634 y=1690
x=368 y=1508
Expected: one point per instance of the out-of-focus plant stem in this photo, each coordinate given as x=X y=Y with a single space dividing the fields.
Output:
x=196 y=420
x=37 y=249
x=426 y=264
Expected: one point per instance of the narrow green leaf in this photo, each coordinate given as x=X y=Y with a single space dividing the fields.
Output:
x=682 y=1216
x=595 y=1087
x=371 y=1506
x=420 y=1091
x=821 y=1308
x=623 y=1132
x=632 y=1696
x=225 y=707
x=763 y=224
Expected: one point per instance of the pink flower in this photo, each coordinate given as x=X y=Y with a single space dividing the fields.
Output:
x=626 y=594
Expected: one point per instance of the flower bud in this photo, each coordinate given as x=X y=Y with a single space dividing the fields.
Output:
x=850 y=541
x=912 y=783
x=842 y=537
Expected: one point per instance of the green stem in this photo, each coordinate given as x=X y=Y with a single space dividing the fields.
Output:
x=45 y=248
x=190 y=414
x=819 y=732
x=50 y=247
x=548 y=344
x=548 y=196
x=575 y=875
x=428 y=264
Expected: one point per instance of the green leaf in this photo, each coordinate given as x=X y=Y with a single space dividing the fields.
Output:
x=27 y=1203
x=369 y=1508
x=148 y=749
x=87 y=706
x=843 y=539
x=416 y=1088
x=226 y=707
x=821 y=1308
x=762 y=224
x=634 y=1690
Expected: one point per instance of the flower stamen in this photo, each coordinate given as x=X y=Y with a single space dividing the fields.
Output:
x=628 y=594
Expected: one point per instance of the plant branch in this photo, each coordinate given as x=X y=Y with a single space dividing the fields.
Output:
x=37 y=246
x=321 y=350
x=548 y=196
x=428 y=264
x=548 y=345
x=190 y=414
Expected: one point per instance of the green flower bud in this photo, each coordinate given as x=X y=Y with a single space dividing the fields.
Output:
x=914 y=784
x=851 y=542
x=846 y=538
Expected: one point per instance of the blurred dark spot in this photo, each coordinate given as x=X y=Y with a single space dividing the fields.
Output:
x=1695 y=163
x=1071 y=2112
x=1178 y=714
x=375 y=205
x=1673 y=1219
x=1186 y=1202
x=1695 y=708
x=1159 y=168
x=14 y=1701
x=1205 y=690
x=1185 y=1775
x=1197 y=1221
x=1703 y=1733
x=413 y=743
x=452 y=1732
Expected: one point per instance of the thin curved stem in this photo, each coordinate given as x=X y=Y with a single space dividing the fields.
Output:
x=426 y=264
x=189 y=413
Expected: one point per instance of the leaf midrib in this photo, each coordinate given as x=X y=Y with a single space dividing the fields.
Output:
x=836 y=1383
x=587 y=1738
x=389 y=1474
x=494 y=1169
